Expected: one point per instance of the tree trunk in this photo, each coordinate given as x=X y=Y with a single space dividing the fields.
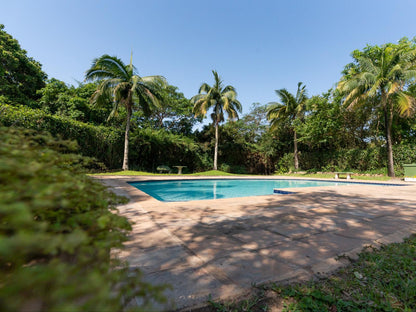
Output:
x=126 y=140
x=388 y=121
x=216 y=145
x=295 y=152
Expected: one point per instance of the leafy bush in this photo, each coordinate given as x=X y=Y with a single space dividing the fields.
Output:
x=403 y=154
x=150 y=148
x=285 y=164
x=57 y=227
x=225 y=168
x=371 y=159
x=103 y=143
x=238 y=169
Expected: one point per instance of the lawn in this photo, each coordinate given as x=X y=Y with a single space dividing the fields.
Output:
x=328 y=175
x=130 y=172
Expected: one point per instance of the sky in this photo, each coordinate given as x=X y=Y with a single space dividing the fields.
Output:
x=255 y=46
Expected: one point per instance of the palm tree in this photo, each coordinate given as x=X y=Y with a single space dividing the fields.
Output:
x=378 y=78
x=291 y=108
x=120 y=84
x=221 y=99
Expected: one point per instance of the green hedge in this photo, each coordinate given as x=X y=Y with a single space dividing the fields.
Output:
x=57 y=227
x=103 y=143
x=370 y=159
x=150 y=148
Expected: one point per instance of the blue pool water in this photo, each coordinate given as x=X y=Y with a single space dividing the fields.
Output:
x=187 y=190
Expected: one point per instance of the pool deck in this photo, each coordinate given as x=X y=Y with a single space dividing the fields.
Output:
x=221 y=247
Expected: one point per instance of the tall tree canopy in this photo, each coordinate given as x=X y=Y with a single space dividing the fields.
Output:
x=378 y=77
x=20 y=76
x=221 y=99
x=175 y=114
x=58 y=98
x=290 y=108
x=120 y=84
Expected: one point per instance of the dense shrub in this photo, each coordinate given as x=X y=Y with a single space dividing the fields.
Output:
x=57 y=227
x=370 y=159
x=103 y=143
x=225 y=168
x=285 y=164
x=150 y=148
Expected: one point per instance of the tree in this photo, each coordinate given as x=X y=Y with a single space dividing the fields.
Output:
x=20 y=76
x=330 y=126
x=175 y=114
x=60 y=99
x=245 y=144
x=120 y=84
x=220 y=99
x=291 y=108
x=378 y=77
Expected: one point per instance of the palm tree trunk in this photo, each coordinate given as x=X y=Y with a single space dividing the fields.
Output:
x=126 y=140
x=388 y=121
x=295 y=152
x=216 y=145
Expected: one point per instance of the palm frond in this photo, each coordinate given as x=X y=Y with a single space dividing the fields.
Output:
x=410 y=75
x=218 y=98
x=105 y=67
x=405 y=104
x=201 y=107
x=229 y=89
x=204 y=88
x=366 y=65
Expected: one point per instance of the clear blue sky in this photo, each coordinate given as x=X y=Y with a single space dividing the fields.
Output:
x=256 y=46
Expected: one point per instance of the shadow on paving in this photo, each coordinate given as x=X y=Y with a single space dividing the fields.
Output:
x=221 y=249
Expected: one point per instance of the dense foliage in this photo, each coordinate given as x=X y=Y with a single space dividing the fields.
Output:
x=56 y=231
x=174 y=114
x=20 y=76
x=378 y=78
x=152 y=148
x=288 y=112
x=103 y=143
x=57 y=98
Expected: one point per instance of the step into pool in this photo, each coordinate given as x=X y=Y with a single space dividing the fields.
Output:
x=205 y=189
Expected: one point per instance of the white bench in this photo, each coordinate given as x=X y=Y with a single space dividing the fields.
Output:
x=337 y=174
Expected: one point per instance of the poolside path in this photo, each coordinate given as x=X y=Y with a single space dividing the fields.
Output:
x=220 y=247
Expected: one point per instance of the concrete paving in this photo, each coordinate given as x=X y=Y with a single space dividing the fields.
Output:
x=219 y=248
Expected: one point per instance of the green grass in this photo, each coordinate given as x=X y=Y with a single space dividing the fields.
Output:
x=331 y=176
x=212 y=173
x=222 y=173
x=380 y=280
x=130 y=172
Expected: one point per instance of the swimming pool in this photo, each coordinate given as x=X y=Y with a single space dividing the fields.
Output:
x=187 y=190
